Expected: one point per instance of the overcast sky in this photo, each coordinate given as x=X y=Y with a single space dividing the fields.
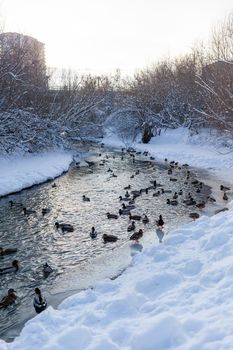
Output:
x=102 y=35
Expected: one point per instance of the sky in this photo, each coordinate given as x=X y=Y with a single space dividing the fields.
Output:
x=100 y=36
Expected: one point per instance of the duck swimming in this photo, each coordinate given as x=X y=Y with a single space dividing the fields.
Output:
x=224 y=188
x=112 y=216
x=13 y=268
x=47 y=269
x=160 y=222
x=145 y=219
x=15 y=204
x=109 y=238
x=93 y=233
x=45 y=211
x=28 y=211
x=86 y=199
x=7 y=251
x=225 y=197
x=64 y=227
x=172 y=202
x=134 y=217
x=136 y=235
x=8 y=299
x=131 y=227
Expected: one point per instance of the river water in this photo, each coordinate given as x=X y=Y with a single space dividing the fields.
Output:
x=77 y=260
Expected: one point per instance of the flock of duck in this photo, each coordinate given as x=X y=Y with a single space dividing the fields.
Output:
x=128 y=203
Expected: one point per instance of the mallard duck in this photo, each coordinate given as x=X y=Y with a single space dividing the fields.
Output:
x=136 y=235
x=54 y=185
x=157 y=194
x=93 y=233
x=160 y=222
x=113 y=175
x=169 y=172
x=64 y=227
x=165 y=191
x=127 y=187
x=225 y=197
x=194 y=216
x=180 y=193
x=131 y=227
x=109 y=238
x=127 y=195
x=132 y=176
x=109 y=170
x=173 y=179
x=47 y=269
x=129 y=206
x=28 y=211
x=175 y=196
x=137 y=172
x=154 y=183
x=145 y=219
x=7 y=251
x=224 y=188
x=190 y=202
x=13 y=268
x=45 y=211
x=112 y=216
x=124 y=211
x=200 y=205
x=8 y=299
x=134 y=217
x=15 y=204
x=211 y=199
x=172 y=202
x=86 y=199
x=124 y=199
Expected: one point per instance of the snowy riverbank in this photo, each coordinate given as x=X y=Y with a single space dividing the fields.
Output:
x=175 y=295
x=19 y=172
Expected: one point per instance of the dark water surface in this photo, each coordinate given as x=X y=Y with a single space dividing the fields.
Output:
x=77 y=260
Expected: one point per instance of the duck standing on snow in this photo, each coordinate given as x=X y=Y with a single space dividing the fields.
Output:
x=8 y=299
x=109 y=238
x=136 y=235
x=39 y=302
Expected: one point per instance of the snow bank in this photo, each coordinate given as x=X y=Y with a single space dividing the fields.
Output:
x=18 y=172
x=176 y=295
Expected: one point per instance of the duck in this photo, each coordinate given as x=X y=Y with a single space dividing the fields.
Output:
x=129 y=206
x=124 y=198
x=13 y=268
x=165 y=191
x=180 y=193
x=47 y=269
x=224 y=188
x=28 y=211
x=145 y=219
x=134 y=217
x=172 y=202
x=127 y=187
x=194 y=215
x=124 y=211
x=154 y=183
x=137 y=172
x=173 y=179
x=225 y=197
x=157 y=194
x=86 y=199
x=160 y=222
x=15 y=204
x=45 y=211
x=136 y=235
x=132 y=176
x=131 y=227
x=109 y=170
x=200 y=205
x=109 y=238
x=64 y=227
x=7 y=251
x=112 y=216
x=8 y=299
x=175 y=196
x=211 y=199
x=127 y=195
x=54 y=185
x=190 y=201
x=113 y=175
x=93 y=233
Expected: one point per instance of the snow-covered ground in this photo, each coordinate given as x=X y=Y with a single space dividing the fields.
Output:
x=18 y=172
x=175 y=295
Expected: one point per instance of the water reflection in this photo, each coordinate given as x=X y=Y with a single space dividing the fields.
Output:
x=77 y=261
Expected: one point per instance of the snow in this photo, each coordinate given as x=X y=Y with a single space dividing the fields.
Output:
x=18 y=172
x=175 y=295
